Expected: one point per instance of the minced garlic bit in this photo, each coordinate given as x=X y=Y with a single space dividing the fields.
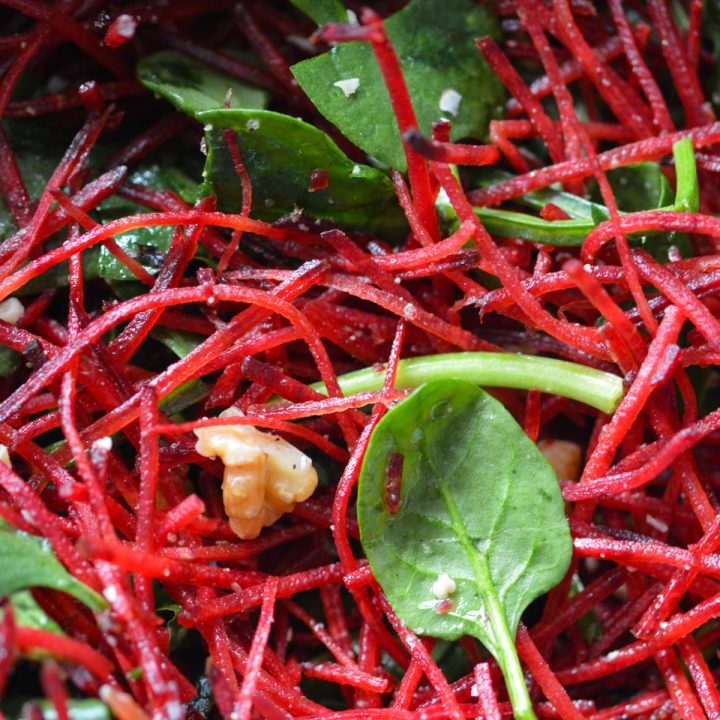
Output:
x=264 y=475
x=349 y=86
x=11 y=310
x=450 y=101
x=443 y=587
x=564 y=457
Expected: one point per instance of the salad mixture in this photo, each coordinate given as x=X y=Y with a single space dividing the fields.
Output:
x=359 y=362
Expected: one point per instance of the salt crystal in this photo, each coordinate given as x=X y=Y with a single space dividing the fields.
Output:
x=450 y=101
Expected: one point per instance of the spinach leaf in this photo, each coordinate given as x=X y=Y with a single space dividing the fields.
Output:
x=322 y=11
x=280 y=154
x=476 y=501
x=37 y=152
x=27 y=561
x=190 y=392
x=637 y=187
x=147 y=245
x=10 y=361
x=576 y=207
x=435 y=42
x=193 y=86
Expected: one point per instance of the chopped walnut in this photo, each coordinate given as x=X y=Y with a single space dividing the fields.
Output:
x=264 y=474
x=564 y=457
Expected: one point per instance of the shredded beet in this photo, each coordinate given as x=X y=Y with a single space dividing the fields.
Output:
x=106 y=378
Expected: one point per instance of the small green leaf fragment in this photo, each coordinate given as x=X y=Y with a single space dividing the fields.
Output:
x=27 y=561
x=479 y=502
x=29 y=614
x=10 y=361
x=637 y=187
x=445 y=73
x=322 y=11
x=192 y=86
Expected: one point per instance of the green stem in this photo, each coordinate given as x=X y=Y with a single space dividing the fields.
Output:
x=598 y=389
x=504 y=645
x=687 y=194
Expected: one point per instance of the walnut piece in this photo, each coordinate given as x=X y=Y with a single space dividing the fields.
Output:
x=264 y=474
x=564 y=456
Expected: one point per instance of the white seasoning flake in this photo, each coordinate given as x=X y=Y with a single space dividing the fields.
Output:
x=657 y=524
x=450 y=101
x=252 y=125
x=443 y=587
x=356 y=170
x=104 y=443
x=11 y=310
x=348 y=86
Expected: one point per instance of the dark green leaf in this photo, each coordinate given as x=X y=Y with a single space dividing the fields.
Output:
x=190 y=392
x=27 y=561
x=478 y=501
x=280 y=154
x=178 y=341
x=193 y=86
x=641 y=186
x=576 y=207
x=10 y=361
x=147 y=245
x=37 y=152
x=322 y=11
x=435 y=42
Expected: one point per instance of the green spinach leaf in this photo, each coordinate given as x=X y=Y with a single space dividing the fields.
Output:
x=27 y=561
x=193 y=86
x=280 y=154
x=10 y=361
x=147 y=245
x=37 y=152
x=637 y=187
x=435 y=42
x=322 y=11
x=453 y=492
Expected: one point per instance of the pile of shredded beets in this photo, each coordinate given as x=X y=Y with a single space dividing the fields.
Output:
x=292 y=624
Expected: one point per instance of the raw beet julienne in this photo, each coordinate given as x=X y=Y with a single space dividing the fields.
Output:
x=445 y=196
